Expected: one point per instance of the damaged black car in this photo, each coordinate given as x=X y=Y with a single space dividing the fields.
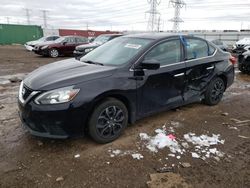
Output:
x=126 y=79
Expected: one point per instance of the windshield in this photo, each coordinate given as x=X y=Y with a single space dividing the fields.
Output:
x=42 y=39
x=102 y=39
x=117 y=52
x=59 y=40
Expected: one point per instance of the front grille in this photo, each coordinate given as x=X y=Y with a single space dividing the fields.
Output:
x=26 y=92
x=240 y=45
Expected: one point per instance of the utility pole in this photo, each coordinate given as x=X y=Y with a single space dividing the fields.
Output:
x=44 y=18
x=27 y=15
x=87 y=26
x=152 y=20
x=159 y=23
x=177 y=4
x=8 y=20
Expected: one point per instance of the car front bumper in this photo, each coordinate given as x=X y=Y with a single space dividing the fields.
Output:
x=41 y=52
x=60 y=122
x=78 y=54
x=29 y=48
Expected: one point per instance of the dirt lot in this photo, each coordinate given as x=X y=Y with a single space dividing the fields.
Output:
x=27 y=161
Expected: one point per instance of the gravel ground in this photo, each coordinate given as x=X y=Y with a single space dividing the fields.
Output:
x=27 y=161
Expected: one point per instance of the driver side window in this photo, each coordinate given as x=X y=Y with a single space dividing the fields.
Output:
x=166 y=53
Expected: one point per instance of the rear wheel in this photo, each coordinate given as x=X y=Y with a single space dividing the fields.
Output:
x=108 y=121
x=53 y=52
x=214 y=92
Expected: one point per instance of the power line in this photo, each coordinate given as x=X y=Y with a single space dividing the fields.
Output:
x=152 y=20
x=177 y=4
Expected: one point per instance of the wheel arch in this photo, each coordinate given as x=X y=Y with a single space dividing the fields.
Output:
x=124 y=99
x=224 y=78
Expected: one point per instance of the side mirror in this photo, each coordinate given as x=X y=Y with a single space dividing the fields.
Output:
x=64 y=43
x=150 y=64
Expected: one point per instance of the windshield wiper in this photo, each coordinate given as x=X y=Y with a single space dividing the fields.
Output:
x=92 y=62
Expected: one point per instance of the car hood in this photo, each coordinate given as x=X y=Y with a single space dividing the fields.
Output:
x=245 y=41
x=85 y=46
x=65 y=73
x=34 y=42
x=40 y=44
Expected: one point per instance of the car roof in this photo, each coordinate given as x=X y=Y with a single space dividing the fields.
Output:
x=76 y=36
x=156 y=36
x=113 y=34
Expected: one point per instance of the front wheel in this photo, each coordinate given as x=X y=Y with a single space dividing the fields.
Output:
x=53 y=52
x=214 y=92
x=108 y=121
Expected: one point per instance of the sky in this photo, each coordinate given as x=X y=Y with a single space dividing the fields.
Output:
x=123 y=15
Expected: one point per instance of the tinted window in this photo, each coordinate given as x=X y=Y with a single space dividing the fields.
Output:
x=50 y=39
x=70 y=40
x=196 y=48
x=166 y=53
x=81 y=40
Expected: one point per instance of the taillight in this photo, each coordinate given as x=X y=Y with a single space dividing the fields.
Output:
x=233 y=60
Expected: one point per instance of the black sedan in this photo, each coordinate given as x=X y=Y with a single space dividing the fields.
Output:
x=82 y=50
x=120 y=82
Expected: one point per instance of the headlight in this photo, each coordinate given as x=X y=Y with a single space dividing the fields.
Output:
x=44 y=47
x=88 y=50
x=57 y=96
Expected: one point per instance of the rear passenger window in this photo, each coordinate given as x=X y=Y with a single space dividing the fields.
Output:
x=196 y=49
x=166 y=53
x=211 y=49
x=81 y=40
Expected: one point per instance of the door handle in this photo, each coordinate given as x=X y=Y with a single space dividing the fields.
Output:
x=209 y=68
x=178 y=75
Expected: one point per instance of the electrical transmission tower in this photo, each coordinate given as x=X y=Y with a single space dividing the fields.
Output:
x=44 y=18
x=177 y=4
x=153 y=13
x=27 y=15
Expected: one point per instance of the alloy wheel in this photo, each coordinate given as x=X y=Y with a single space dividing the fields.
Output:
x=110 y=121
x=54 y=53
x=217 y=91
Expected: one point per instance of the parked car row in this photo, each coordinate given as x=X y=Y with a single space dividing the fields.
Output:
x=54 y=46
x=121 y=81
x=84 y=49
x=242 y=49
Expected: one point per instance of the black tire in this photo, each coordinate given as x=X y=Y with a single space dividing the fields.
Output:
x=214 y=92
x=53 y=53
x=108 y=121
x=242 y=68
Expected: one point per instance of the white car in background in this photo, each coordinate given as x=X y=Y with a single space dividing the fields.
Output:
x=31 y=44
x=240 y=45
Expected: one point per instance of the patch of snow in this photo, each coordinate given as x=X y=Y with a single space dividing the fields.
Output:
x=203 y=140
x=116 y=152
x=77 y=156
x=160 y=141
x=137 y=156
x=195 y=155
x=144 y=136
x=171 y=155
